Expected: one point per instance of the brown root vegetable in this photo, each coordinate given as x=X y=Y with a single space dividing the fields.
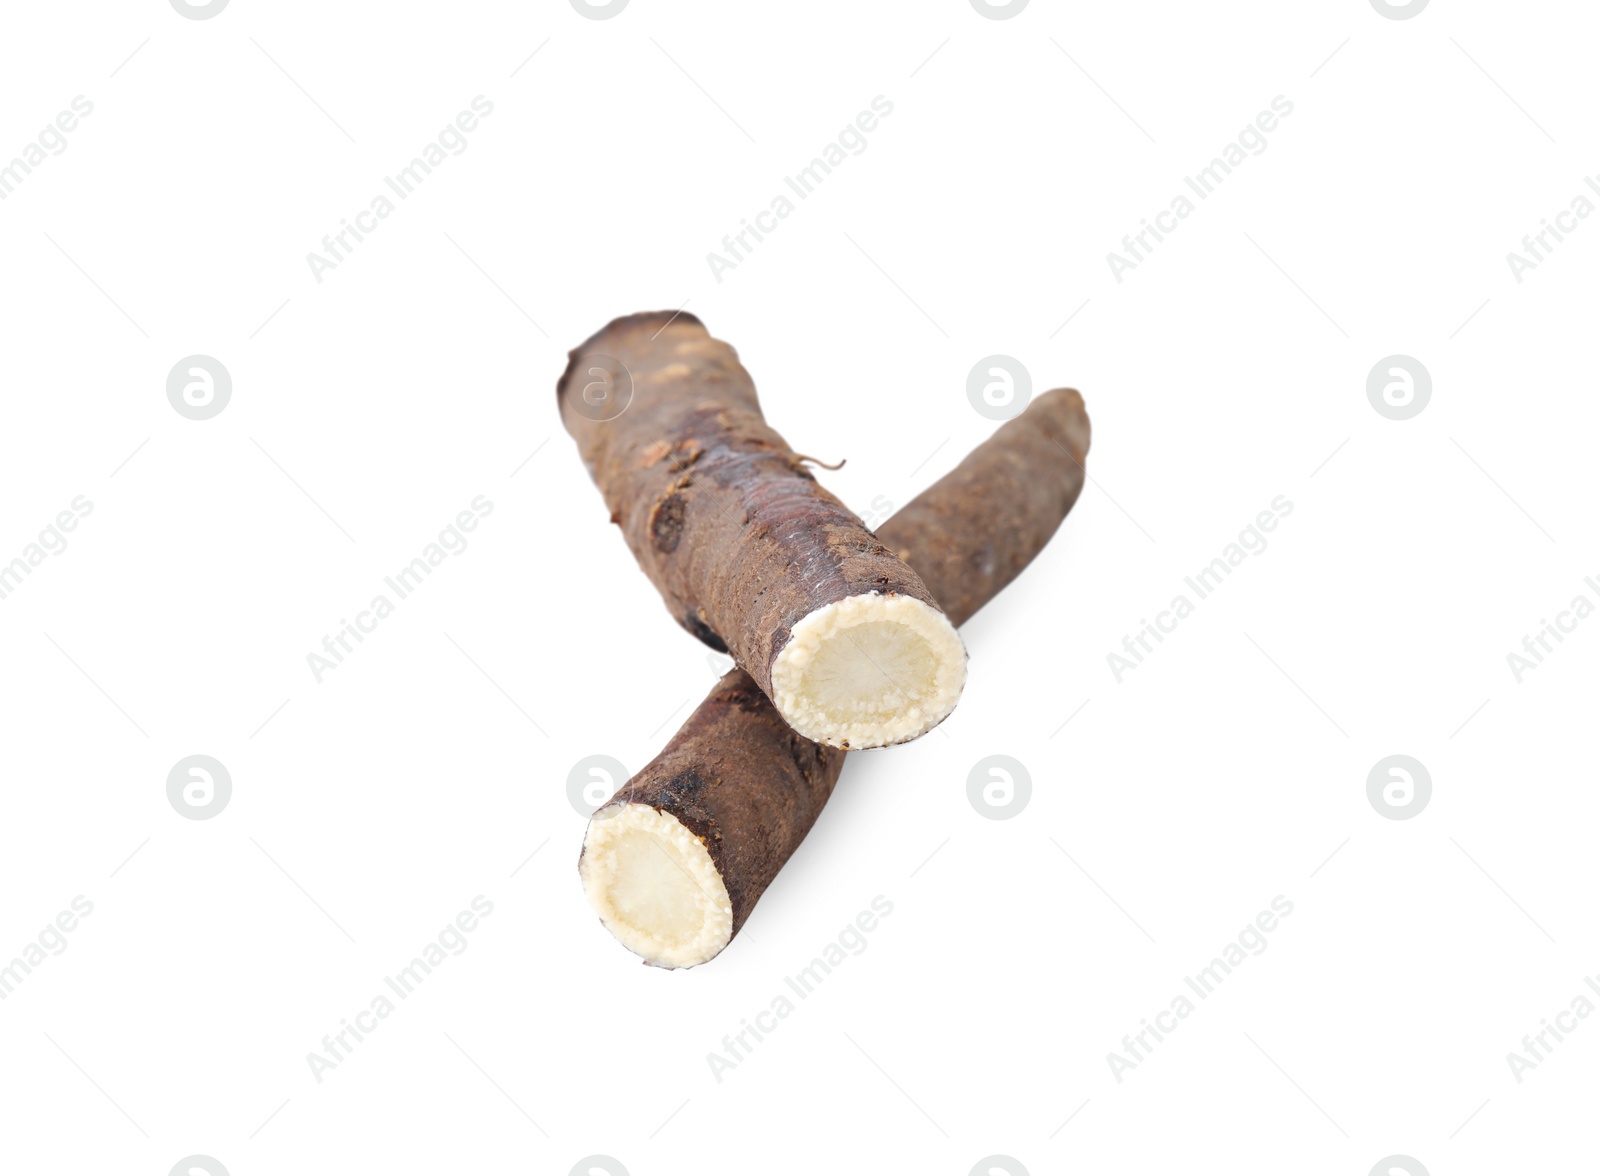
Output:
x=676 y=860
x=750 y=554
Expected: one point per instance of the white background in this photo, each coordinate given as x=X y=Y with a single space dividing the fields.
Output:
x=372 y=406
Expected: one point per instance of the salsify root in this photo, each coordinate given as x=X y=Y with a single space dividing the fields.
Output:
x=750 y=554
x=677 y=859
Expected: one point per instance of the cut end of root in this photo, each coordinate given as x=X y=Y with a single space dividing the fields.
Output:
x=655 y=887
x=869 y=670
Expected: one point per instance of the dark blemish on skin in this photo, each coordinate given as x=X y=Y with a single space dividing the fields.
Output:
x=683 y=787
x=666 y=523
x=747 y=699
x=693 y=623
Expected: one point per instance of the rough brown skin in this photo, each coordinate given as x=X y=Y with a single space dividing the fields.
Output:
x=737 y=776
x=735 y=533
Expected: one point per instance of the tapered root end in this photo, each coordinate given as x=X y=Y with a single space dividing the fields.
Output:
x=654 y=886
x=869 y=670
